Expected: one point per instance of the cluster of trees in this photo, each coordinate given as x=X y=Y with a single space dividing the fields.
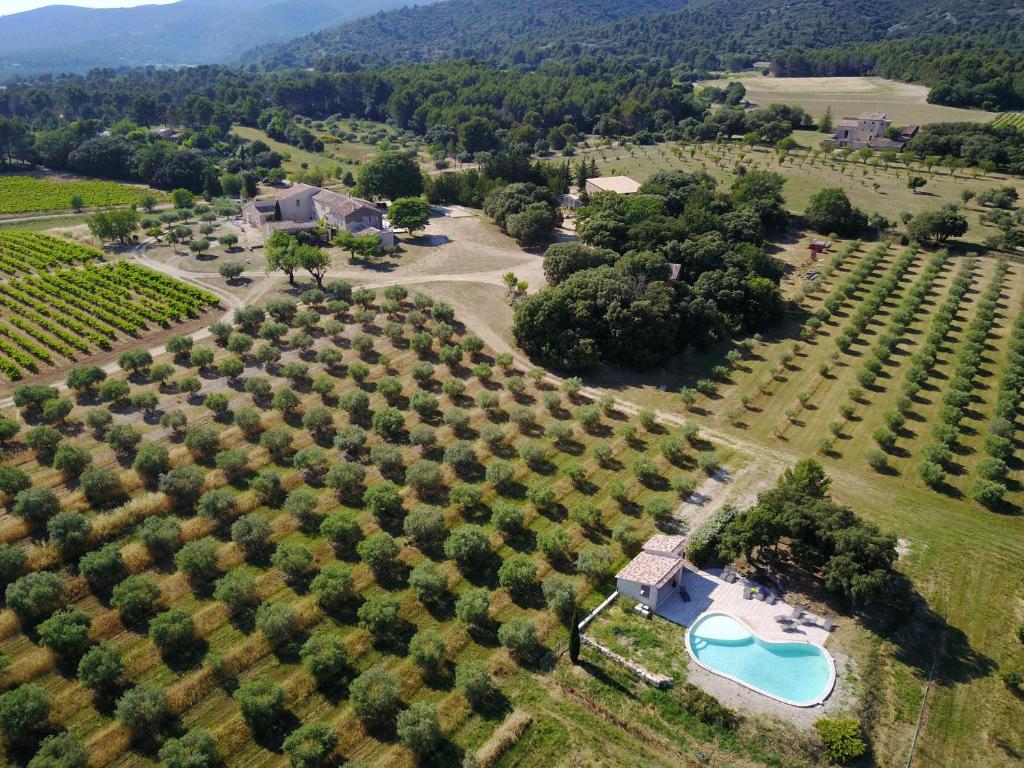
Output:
x=525 y=211
x=982 y=144
x=613 y=297
x=852 y=557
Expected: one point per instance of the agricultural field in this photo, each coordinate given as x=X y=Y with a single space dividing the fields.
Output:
x=51 y=317
x=902 y=373
x=873 y=184
x=363 y=535
x=1016 y=119
x=904 y=103
x=27 y=194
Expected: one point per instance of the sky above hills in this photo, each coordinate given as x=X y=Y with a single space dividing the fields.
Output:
x=17 y=6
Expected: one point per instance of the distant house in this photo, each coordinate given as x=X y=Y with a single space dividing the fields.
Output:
x=621 y=185
x=301 y=207
x=869 y=130
x=653 y=575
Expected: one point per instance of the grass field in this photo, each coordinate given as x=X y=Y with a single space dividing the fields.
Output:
x=26 y=194
x=807 y=171
x=597 y=713
x=904 y=103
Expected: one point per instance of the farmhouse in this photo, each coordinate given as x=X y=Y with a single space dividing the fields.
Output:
x=621 y=185
x=653 y=576
x=870 y=130
x=302 y=207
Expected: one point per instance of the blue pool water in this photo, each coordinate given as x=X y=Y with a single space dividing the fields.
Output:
x=798 y=673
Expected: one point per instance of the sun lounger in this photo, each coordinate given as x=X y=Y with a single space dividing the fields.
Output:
x=746 y=594
x=798 y=611
x=829 y=624
x=772 y=598
x=759 y=595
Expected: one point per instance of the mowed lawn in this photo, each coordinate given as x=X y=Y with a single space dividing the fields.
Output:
x=806 y=175
x=904 y=103
x=963 y=559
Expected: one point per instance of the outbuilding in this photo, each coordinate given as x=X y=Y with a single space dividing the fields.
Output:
x=653 y=575
x=620 y=185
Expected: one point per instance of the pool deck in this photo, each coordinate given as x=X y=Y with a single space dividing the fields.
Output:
x=707 y=592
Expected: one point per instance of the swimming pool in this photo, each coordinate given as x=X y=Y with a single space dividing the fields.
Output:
x=800 y=674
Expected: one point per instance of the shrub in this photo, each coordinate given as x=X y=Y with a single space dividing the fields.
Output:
x=277 y=622
x=518 y=575
x=703 y=542
x=427 y=649
x=468 y=546
x=333 y=586
x=69 y=533
x=594 y=561
x=560 y=596
x=196 y=749
x=101 y=668
x=342 y=529
x=429 y=582
x=310 y=745
x=160 y=535
x=379 y=551
x=473 y=607
x=61 y=750
x=36 y=505
x=418 y=729
x=474 y=680
x=261 y=703
x=173 y=632
x=143 y=709
x=23 y=711
x=198 y=560
x=102 y=568
x=135 y=599
x=842 y=738
x=325 y=658
x=294 y=560
x=519 y=636
x=425 y=526
x=375 y=695
x=66 y=632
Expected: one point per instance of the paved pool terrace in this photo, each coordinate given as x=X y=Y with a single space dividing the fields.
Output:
x=708 y=592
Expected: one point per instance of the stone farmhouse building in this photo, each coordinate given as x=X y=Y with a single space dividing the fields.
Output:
x=300 y=207
x=869 y=130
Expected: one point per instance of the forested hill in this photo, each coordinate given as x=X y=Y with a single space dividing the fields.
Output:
x=488 y=29
x=64 y=38
x=907 y=39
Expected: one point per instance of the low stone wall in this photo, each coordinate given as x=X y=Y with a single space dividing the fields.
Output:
x=651 y=678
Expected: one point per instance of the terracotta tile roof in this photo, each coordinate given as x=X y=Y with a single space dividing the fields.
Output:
x=343 y=205
x=651 y=569
x=664 y=543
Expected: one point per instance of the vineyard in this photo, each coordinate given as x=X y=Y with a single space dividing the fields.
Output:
x=1016 y=119
x=25 y=194
x=352 y=540
x=26 y=252
x=54 y=318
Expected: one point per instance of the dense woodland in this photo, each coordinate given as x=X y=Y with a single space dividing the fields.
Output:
x=975 y=68
x=612 y=297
